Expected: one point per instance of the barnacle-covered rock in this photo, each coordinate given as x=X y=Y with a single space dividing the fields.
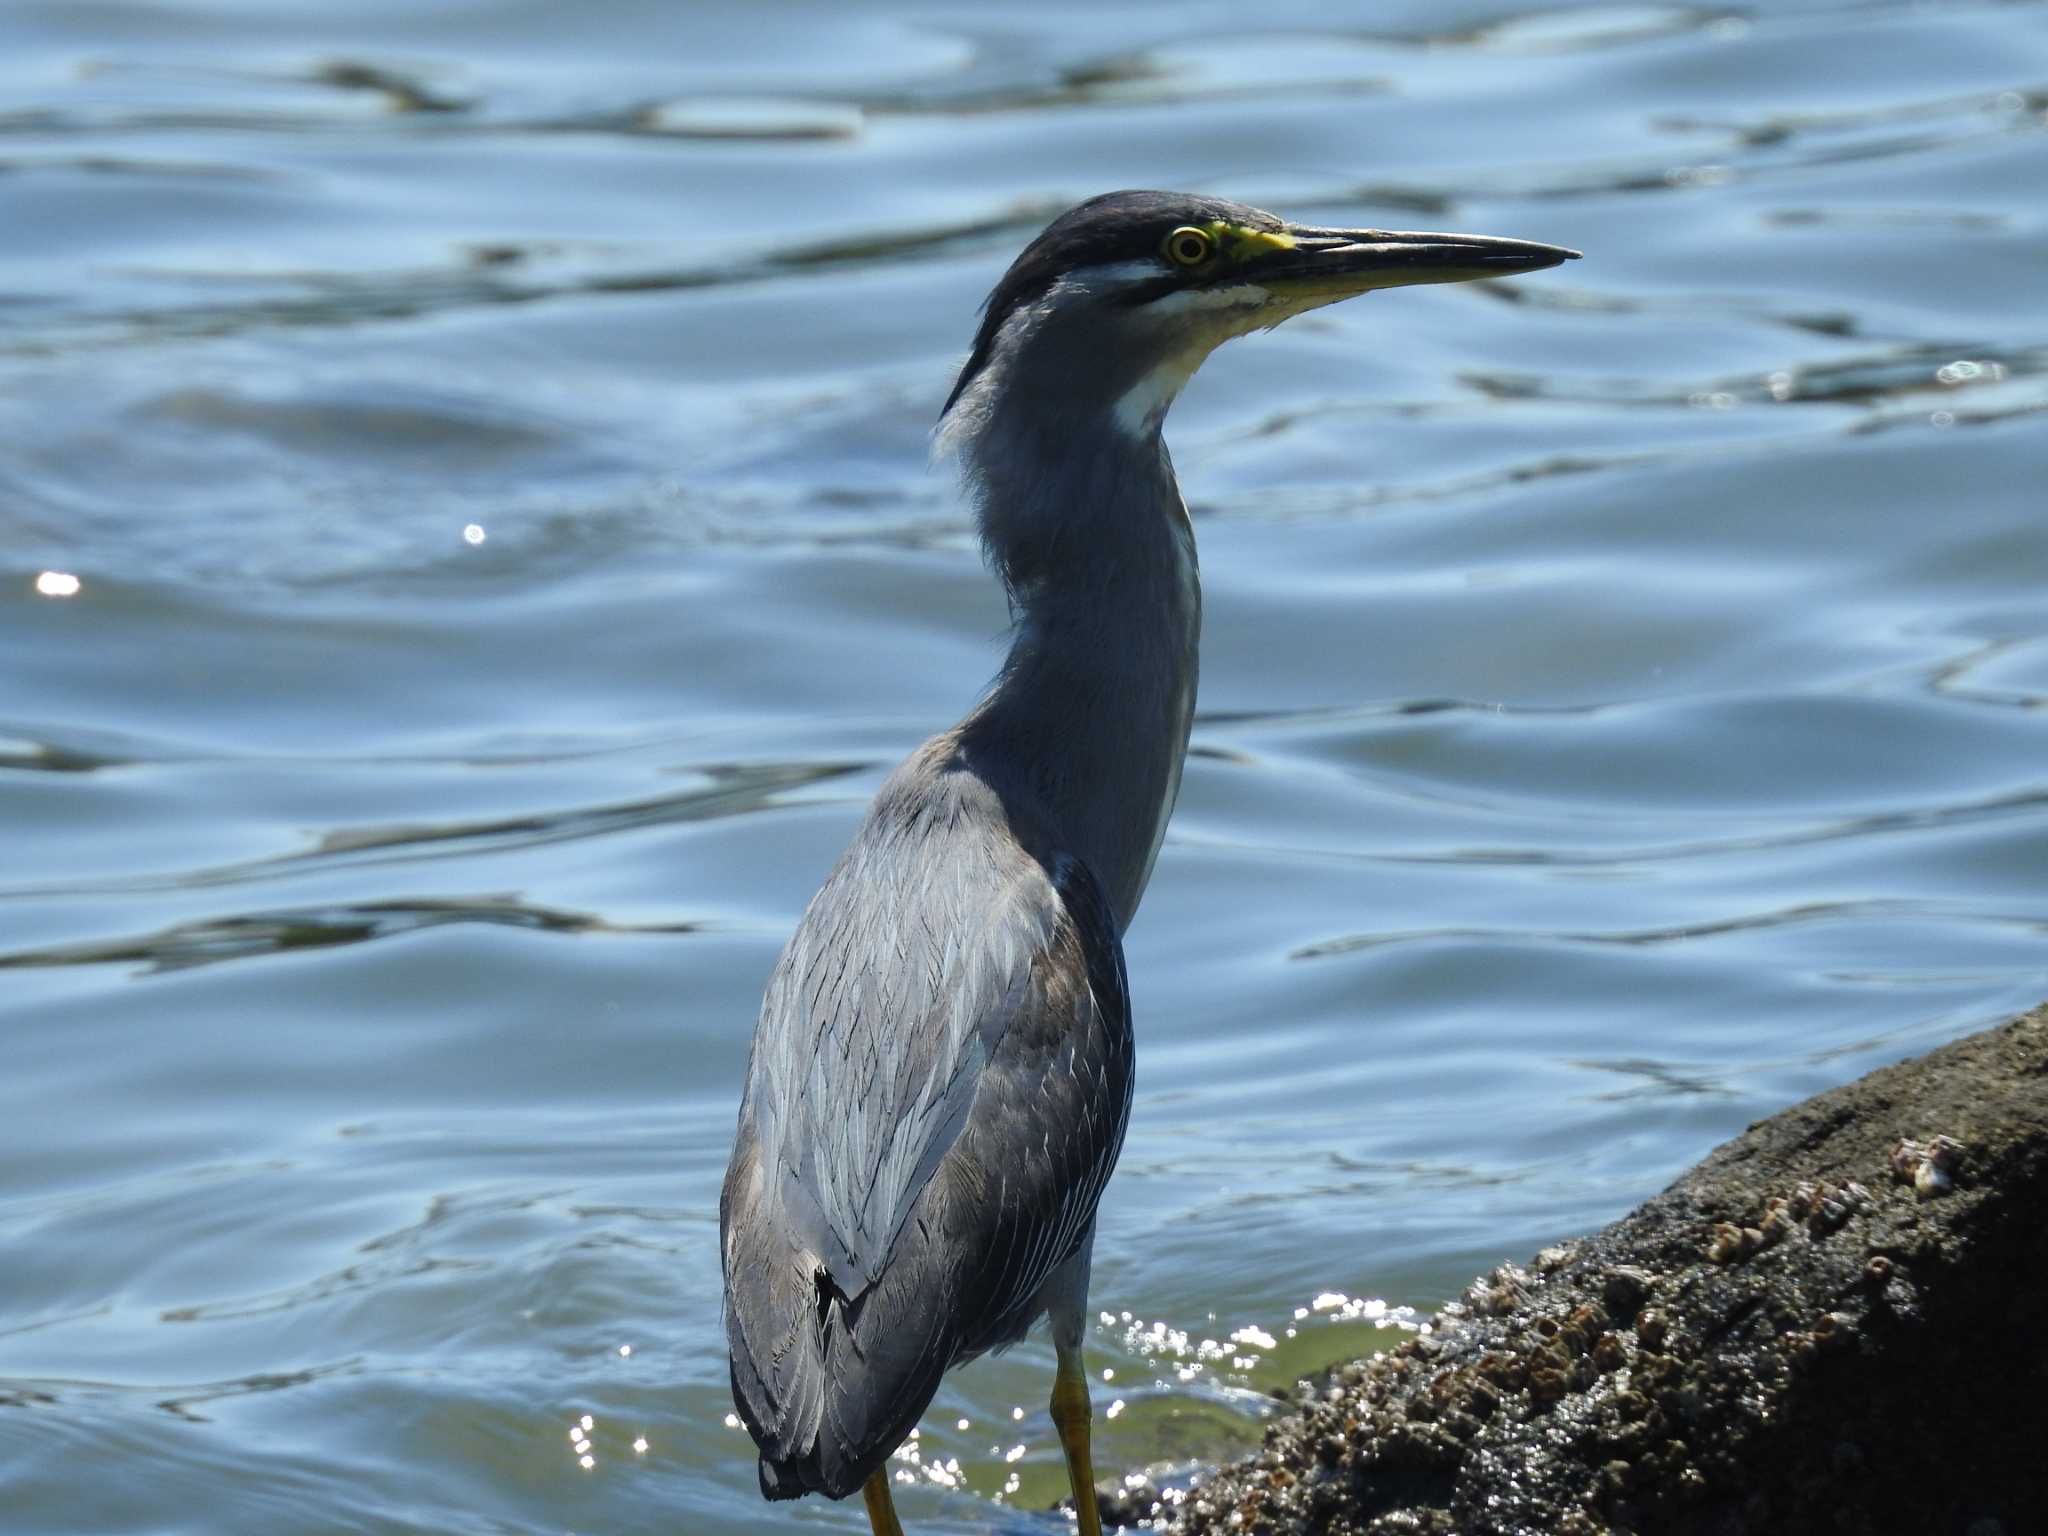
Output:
x=1791 y=1339
x=1929 y=1166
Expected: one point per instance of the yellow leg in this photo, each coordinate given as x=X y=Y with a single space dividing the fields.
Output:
x=1070 y=1416
x=881 y=1508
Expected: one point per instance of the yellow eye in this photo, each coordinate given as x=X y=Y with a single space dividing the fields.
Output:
x=1189 y=247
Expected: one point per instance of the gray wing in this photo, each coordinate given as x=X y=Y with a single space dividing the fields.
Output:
x=937 y=1094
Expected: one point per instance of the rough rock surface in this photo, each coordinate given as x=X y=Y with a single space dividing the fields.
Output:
x=1835 y=1324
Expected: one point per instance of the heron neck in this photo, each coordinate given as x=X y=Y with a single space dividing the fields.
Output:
x=1086 y=729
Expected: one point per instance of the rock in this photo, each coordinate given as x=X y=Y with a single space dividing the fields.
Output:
x=1831 y=1325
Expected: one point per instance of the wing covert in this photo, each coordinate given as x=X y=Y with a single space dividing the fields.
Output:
x=936 y=1098
x=937 y=958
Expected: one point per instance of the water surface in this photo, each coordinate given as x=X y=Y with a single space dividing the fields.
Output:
x=490 y=443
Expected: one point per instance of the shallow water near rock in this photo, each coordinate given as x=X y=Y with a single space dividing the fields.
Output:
x=487 y=448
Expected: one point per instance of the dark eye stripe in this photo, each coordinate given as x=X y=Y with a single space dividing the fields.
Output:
x=1145 y=293
x=1118 y=227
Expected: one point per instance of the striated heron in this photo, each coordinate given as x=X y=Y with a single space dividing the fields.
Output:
x=942 y=1069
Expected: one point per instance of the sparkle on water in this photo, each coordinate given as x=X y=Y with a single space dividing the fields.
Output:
x=1234 y=1369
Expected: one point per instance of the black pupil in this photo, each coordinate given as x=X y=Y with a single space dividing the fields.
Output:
x=1189 y=248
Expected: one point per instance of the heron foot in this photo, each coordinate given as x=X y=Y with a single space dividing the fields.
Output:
x=1073 y=1416
x=881 y=1508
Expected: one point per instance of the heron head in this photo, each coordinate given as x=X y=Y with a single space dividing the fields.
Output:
x=1117 y=303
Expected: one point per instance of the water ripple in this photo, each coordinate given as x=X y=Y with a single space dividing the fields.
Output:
x=1819 y=912
x=185 y=945
x=2018 y=806
x=734 y=790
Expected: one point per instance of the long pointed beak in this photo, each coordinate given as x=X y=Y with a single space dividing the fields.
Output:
x=1336 y=263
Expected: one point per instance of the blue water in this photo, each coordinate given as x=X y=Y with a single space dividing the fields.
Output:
x=489 y=441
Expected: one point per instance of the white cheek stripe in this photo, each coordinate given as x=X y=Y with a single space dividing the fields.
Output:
x=1139 y=409
x=1116 y=275
x=1193 y=300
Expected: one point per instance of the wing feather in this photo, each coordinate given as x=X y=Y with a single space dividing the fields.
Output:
x=937 y=1094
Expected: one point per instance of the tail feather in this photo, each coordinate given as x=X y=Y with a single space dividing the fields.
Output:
x=776 y=1382
x=828 y=1386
